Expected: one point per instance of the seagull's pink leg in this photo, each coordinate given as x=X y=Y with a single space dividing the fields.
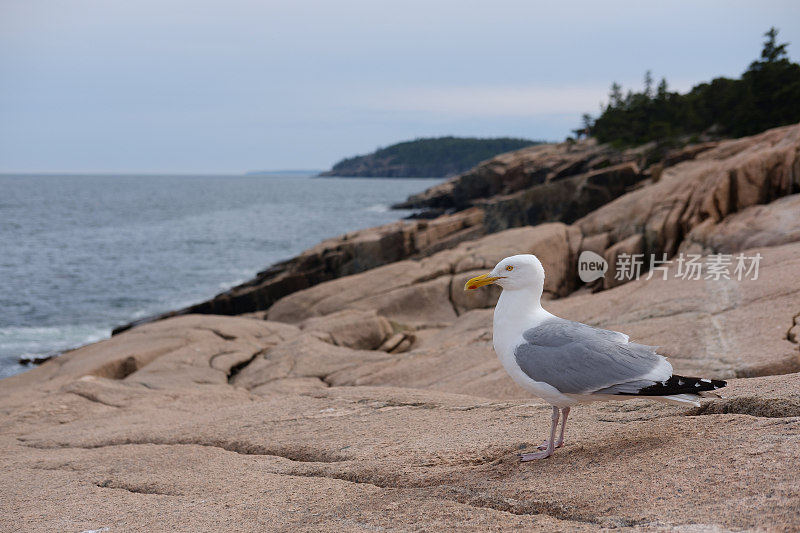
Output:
x=560 y=441
x=548 y=451
x=564 y=415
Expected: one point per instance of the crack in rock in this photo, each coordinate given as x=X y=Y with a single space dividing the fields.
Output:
x=296 y=454
x=750 y=405
x=145 y=489
x=218 y=333
x=219 y=354
x=793 y=333
x=92 y=398
x=450 y=296
x=498 y=502
x=463 y=495
x=238 y=367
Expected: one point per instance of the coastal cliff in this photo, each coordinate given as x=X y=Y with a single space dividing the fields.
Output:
x=357 y=387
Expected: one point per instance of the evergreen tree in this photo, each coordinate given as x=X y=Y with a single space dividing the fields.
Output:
x=615 y=96
x=661 y=93
x=772 y=52
x=767 y=95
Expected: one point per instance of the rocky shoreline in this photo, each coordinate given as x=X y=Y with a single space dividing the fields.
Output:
x=572 y=183
x=354 y=387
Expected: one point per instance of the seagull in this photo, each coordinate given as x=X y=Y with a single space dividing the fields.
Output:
x=568 y=363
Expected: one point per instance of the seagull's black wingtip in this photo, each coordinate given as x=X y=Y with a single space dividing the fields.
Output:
x=680 y=385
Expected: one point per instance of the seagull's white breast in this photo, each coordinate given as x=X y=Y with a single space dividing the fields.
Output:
x=515 y=313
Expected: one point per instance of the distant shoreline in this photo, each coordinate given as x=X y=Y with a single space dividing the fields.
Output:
x=435 y=157
x=313 y=172
x=323 y=175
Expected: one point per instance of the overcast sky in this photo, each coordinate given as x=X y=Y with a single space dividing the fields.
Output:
x=236 y=85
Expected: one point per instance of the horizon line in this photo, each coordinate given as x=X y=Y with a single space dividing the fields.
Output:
x=154 y=173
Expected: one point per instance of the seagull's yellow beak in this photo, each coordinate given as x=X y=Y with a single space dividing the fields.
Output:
x=480 y=281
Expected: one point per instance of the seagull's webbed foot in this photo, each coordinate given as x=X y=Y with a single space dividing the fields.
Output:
x=547 y=452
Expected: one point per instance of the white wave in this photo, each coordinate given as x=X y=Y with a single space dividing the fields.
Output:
x=40 y=340
x=21 y=342
x=378 y=208
x=227 y=285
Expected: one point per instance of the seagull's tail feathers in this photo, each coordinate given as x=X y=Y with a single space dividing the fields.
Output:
x=680 y=389
x=691 y=399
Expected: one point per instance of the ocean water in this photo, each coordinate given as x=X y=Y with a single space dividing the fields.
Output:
x=82 y=254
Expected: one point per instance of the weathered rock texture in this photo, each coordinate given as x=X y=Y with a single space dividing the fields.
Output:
x=564 y=200
x=516 y=171
x=206 y=422
x=374 y=401
x=430 y=290
x=758 y=225
x=720 y=181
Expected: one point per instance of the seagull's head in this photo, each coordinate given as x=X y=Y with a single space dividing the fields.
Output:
x=523 y=271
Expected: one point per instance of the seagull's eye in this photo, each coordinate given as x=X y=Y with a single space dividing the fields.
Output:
x=509 y=268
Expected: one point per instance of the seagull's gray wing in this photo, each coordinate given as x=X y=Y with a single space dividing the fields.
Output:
x=579 y=359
